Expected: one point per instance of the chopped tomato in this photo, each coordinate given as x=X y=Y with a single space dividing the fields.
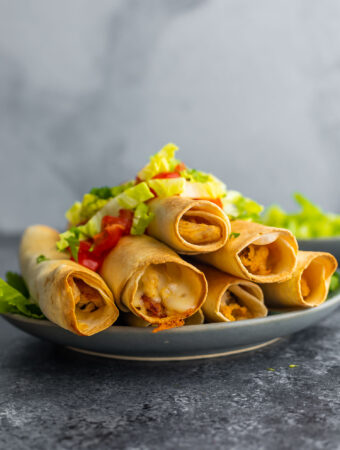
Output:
x=180 y=167
x=86 y=257
x=125 y=220
x=164 y=175
x=107 y=239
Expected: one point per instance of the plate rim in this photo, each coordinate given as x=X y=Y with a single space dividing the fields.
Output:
x=284 y=316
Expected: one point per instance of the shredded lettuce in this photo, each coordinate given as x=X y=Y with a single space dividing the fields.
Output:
x=141 y=219
x=163 y=161
x=196 y=175
x=309 y=222
x=236 y=206
x=92 y=202
x=15 y=300
x=135 y=195
x=167 y=187
x=128 y=199
x=209 y=190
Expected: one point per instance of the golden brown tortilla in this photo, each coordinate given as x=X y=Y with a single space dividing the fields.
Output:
x=188 y=226
x=308 y=285
x=153 y=282
x=70 y=295
x=256 y=252
x=230 y=298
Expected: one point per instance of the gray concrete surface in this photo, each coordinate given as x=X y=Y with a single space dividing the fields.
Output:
x=88 y=90
x=52 y=398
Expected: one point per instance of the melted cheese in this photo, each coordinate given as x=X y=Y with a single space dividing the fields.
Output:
x=166 y=284
x=87 y=299
x=255 y=259
x=198 y=233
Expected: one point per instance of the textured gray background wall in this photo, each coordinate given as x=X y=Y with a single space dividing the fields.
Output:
x=249 y=90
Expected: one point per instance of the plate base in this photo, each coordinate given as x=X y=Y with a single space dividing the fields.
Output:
x=175 y=358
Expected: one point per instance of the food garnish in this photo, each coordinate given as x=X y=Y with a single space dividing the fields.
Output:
x=309 y=222
x=89 y=237
x=14 y=297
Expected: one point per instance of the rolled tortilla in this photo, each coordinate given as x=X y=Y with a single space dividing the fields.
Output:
x=308 y=285
x=70 y=295
x=153 y=282
x=230 y=298
x=256 y=252
x=188 y=226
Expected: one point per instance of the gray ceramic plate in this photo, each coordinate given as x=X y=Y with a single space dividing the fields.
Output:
x=331 y=245
x=188 y=342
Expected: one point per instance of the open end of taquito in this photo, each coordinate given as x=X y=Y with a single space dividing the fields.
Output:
x=256 y=252
x=153 y=282
x=189 y=226
x=163 y=293
x=87 y=304
x=230 y=299
x=68 y=294
x=308 y=285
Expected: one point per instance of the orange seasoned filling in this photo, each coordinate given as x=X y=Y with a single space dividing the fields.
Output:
x=234 y=311
x=171 y=323
x=255 y=259
x=195 y=231
x=305 y=289
x=153 y=308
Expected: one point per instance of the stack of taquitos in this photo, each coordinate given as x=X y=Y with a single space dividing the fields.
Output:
x=268 y=256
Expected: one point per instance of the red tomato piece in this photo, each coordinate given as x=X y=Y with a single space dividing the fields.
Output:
x=164 y=175
x=107 y=239
x=85 y=257
x=180 y=167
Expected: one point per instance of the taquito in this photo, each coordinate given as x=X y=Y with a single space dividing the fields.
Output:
x=188 y=226
x=230 y=298
x=308 y=285
x=70 y=295
x=256 y=252
x=150 y=280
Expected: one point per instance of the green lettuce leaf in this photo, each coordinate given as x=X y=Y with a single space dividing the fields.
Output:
x=209 y=189
x=309 y=222
x=130 y=198
x=196 y=175
x=17 y=282
x=13 y=301
x=163 y=161
x=335 y=282
x=141 y=219
x=167 y=187
x=236 y=206
x=92 y=202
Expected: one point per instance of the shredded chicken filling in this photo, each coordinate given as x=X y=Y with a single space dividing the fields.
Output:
x=232 y=310
x=162 y=292
x=255 y=259
x=305 y=289
x=195 y=231
x=87 y=299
